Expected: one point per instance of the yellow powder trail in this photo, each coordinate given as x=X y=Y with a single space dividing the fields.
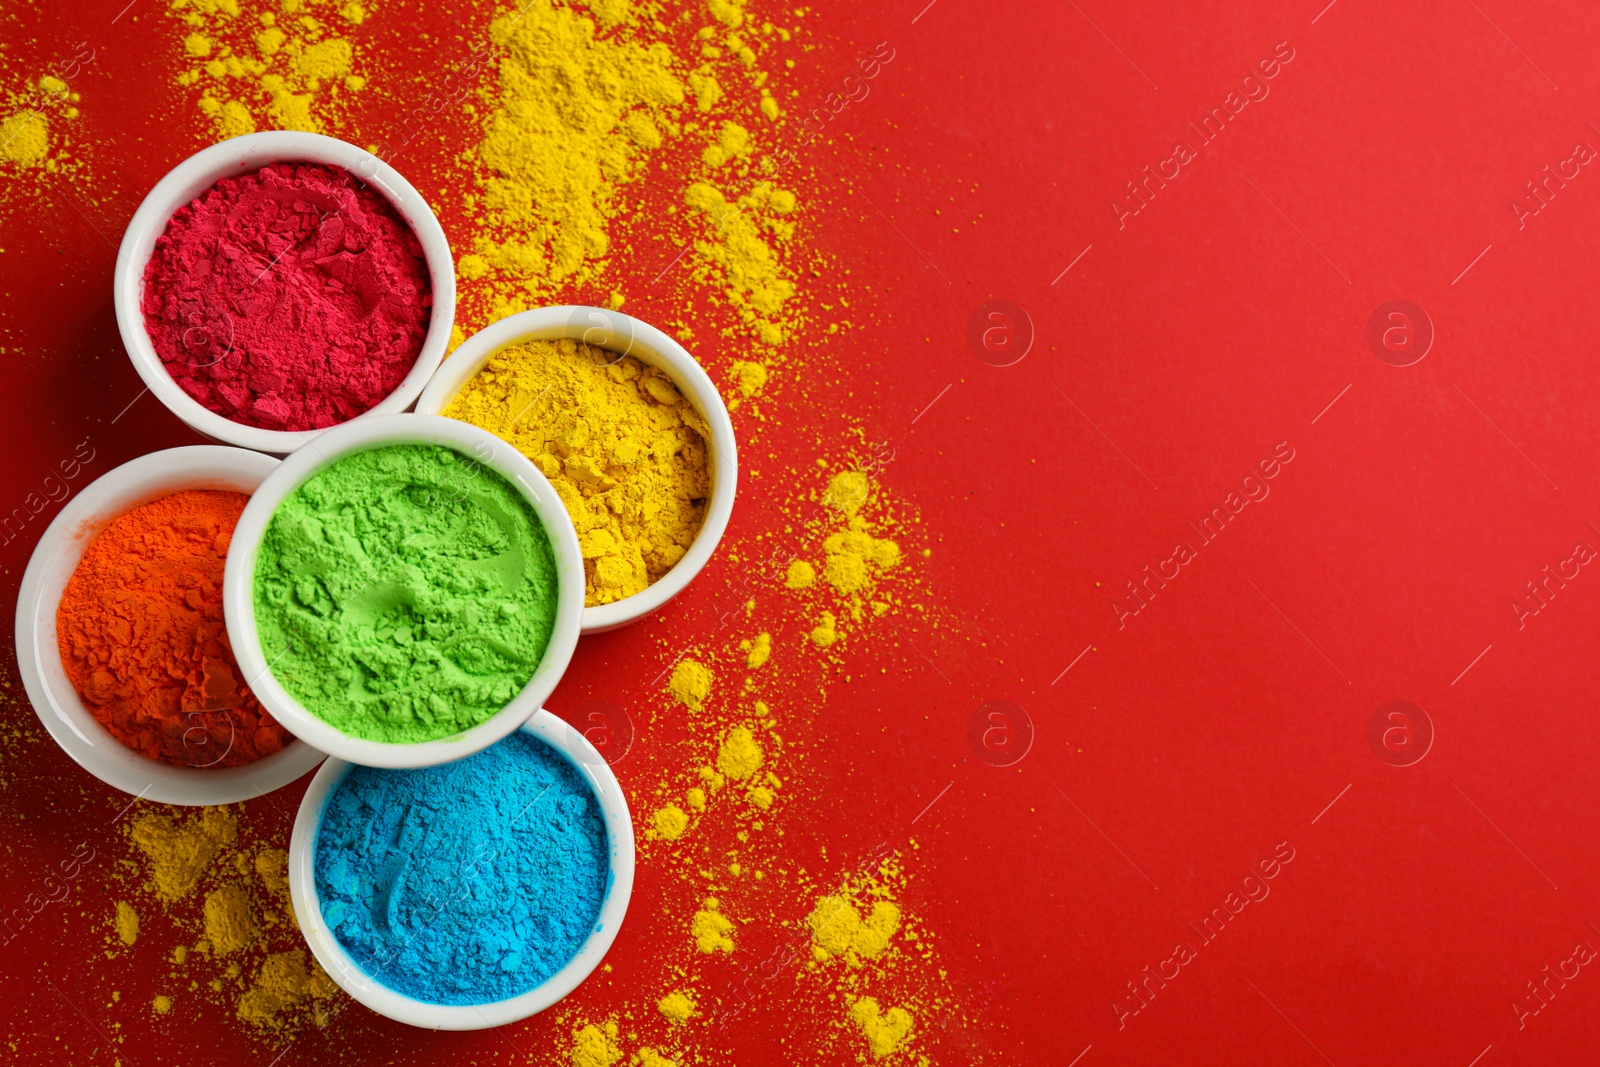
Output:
x=269 y=64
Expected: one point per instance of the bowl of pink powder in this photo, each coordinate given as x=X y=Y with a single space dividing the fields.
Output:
x=280 y=283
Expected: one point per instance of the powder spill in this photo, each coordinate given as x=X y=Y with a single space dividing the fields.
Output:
x=711 y=930
x=569 y=122
x=178 y=854
x=596 y=1046
x=623 y=448
x=884 y=1030
x=141 y=636
x=690 y=684
x=405 y=593
x=227 y=904
x=678 y=1007
x=464 y=883
x=126 y=922
x=285 y=69
x=290 y=298
x=837 y=930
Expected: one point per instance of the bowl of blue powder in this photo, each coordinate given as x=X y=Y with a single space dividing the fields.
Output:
x=470 y=894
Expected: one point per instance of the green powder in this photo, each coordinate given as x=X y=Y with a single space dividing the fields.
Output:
x=405 y=593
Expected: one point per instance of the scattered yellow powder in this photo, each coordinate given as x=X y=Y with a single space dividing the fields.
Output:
x=677 y=1007
x=272 y=865
x=739 y=254
x=712 y=932
x=690 y=683
x=733 y=142
x=567 y=124
x=740 y=756
x=596 y=1046
x=751 y=378
x=180 y=851
x=623 y=448
x=802 y=575
x=285 y=983
x=161 y=1004
x=126 y=922
x=825 y=632
x=649 y=1057
x=25 y=138
x=884 y=1032
x=229 y=926
x=267 y=72
x=758 y=651
x=696 y=798
x=669 y=822
x=838 y=930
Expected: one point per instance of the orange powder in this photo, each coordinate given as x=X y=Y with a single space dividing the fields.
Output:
x=142 y=638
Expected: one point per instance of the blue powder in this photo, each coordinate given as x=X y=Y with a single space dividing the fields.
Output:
x=464 y=883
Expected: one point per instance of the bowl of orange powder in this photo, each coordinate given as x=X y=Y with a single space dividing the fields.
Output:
x=120 y=635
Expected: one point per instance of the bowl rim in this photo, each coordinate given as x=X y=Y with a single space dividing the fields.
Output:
x=360 y=435
x=349 y=976
x=616 y=331
x=57 y=704
x=241 y=155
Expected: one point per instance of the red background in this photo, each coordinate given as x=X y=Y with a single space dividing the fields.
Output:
x=1216 y=323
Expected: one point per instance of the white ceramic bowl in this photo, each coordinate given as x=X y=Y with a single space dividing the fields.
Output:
x=396 y=1005
x=49 y=689
x=242 y=155
x=360 y=435
x=621 y=333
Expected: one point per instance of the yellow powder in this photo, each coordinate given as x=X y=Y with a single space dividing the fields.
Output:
x=758 y=651
x=265 y=72
x=696 y=798
x=25 y=138
x=801 y=575
x=126 y=922
x=825 y=632
x=838 y=930
x=711 y=931
x=569 y=123
x=740 y=756
x=733 y=142
x=739 y=254
x=649 y=1057
x=884 y=1032
x=180 y=852
x=272 y=865
x=624 y=450
x=750 y=377
x=596 y=1046
x=229 y=926
x=670 y=822
x=677 y=1007
x=161 y=1004
x=761 y=796
x=285 y=983
x=690 y=684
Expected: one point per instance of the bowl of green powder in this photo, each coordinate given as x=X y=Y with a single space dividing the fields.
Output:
x=404 y=591
x=466 y=896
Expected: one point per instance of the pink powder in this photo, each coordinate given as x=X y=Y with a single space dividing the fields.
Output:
x=291 y=298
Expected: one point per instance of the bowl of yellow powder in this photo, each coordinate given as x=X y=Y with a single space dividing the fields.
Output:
x=404 y=591
x=628 y=428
